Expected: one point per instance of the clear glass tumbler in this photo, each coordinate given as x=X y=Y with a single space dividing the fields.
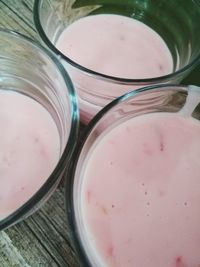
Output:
x=176 y=21
x=159 y=99
x=31 y=70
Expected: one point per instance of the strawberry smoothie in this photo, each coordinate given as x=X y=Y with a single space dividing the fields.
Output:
x=114 y=45
x=140 y=195
x=30 y=149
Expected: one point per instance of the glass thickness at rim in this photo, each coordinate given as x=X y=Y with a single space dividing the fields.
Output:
x=29 y=205
x=70 y=176
x=44 y=37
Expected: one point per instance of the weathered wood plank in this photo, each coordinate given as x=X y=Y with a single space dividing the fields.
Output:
x=41 y=240
x=10 y=256
x=16 y=15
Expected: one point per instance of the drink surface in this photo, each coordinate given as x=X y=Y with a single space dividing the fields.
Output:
x=30 y=149
x=141 y=192
x=116 y=45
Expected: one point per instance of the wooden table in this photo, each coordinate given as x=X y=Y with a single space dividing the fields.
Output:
x=42 y=239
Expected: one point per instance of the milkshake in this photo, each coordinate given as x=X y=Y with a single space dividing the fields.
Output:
x=112 y=45
x=30 y=149
x=140 y=195
x=136 y=192
x=116 y=46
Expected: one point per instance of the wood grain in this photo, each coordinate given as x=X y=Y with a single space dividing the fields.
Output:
x=17 y=15
x=43 y=239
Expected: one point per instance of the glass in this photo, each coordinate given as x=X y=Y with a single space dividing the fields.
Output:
x=31 y=70
x=160 y=98
x=176 y=21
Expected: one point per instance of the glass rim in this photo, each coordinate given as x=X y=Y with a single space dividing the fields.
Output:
x=45 y=39
x=69 y=146
x=71 y=174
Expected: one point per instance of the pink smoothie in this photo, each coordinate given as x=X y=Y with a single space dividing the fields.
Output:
x=30 y=149
x=114 y=45
x=140 y=196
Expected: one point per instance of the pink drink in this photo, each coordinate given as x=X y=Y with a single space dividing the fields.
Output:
x=114 y=45
x=141 y=193
x=30 y=149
